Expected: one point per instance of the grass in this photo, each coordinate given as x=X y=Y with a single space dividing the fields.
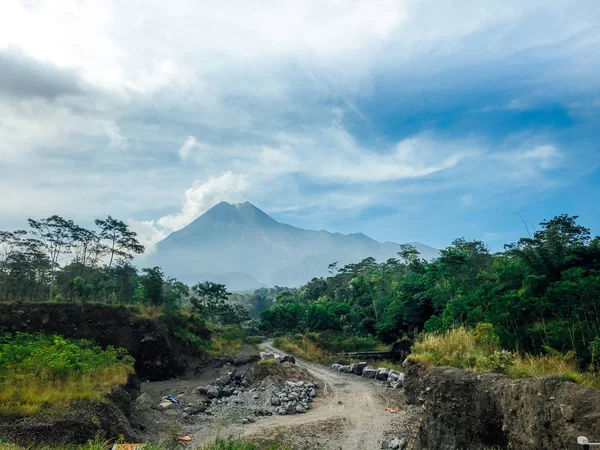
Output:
x=479 y=350
x=321 y=347
x=36 y=370
x=302 y=347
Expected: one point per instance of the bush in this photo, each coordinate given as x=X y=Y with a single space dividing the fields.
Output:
x=39 y=369
x=479 y=350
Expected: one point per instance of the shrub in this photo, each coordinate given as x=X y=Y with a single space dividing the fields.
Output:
x=39 y=369
x=479 y=350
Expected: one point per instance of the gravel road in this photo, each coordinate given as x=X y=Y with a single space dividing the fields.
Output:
x=348 y=414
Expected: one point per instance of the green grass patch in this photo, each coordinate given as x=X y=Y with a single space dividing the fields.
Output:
x=479 y=350
x=38 y=369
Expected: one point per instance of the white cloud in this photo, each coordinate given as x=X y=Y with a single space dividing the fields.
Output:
x=147 y=233
x=189 y=147
x=201 y=196
x=546 y=157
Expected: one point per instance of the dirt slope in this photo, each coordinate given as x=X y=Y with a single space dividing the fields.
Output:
x=348 y=414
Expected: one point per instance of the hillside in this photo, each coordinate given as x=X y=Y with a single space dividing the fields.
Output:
x=244 y=248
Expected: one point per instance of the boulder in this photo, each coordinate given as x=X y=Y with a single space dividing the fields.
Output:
x=336 y=366
x=291 y=409
x=143 y=402
x=312 y=393
x=213 y=392
x=382 y=373
x=288 y=358
x=275 y=401
x=300 y=409
x=359 y=367
x=369 y=372
x=401 y=379
x=267 y=355
x=397 y=443
x=223 y=380
x=201 y=390
x=166 y=404
x=344 y=369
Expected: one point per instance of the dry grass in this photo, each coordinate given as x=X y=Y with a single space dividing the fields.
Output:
x=479 y=350
x=26 y=396
x=303 y=348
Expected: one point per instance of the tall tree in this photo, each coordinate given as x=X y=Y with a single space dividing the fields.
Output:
x=122 y=242
x=56 y=235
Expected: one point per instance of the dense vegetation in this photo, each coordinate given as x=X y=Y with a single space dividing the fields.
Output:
x=541 y=293
x=479 y=349
x=57 y=260
x=40 y=369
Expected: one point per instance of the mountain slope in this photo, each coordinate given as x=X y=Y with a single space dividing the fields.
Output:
x=243 y=247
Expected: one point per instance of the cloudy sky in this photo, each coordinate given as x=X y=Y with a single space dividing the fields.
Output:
x=404 y=119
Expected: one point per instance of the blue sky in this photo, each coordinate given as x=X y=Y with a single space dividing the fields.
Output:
x=406 y=120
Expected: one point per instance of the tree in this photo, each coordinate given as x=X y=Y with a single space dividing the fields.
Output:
x=152 y=282
x=56 y=236
x=122 y=242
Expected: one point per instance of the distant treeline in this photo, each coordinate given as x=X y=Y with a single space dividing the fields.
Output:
x=541 y=292
x=59 y=261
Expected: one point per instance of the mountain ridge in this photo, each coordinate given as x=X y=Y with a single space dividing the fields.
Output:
x=245 y=248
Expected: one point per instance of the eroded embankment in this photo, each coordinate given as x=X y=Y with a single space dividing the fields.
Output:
x=158 y=351
x=464 y=410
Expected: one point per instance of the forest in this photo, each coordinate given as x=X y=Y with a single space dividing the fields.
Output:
x=59 y=261
x=541 y=294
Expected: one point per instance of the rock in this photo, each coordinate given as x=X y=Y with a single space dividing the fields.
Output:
x=267 y=355
x=223 y=380
x=300 y=409
x=281 y=411
x=213 y=392
x=382 y=373
x=344 y=369
x=201 y=390
x=401 y=379
x=358 y=368
x=275 y=401
x=288 y=358
x=194 y=409
x=336 y=366
x=227 y=391
x=256 y=396
x=312 y=393
x=143 y=402
x=291 y=409
x=397 y=443
x=369 y=372
x=165 y=405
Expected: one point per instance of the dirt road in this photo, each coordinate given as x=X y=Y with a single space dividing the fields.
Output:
x=348 y=414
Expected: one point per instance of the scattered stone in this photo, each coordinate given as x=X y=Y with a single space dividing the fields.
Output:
x=300 y=409
x=369 y=372
x=267 y=355
x=143 y=402
x=359 y=367
x=165 y=405
x=382 y=373
x=213 y=392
